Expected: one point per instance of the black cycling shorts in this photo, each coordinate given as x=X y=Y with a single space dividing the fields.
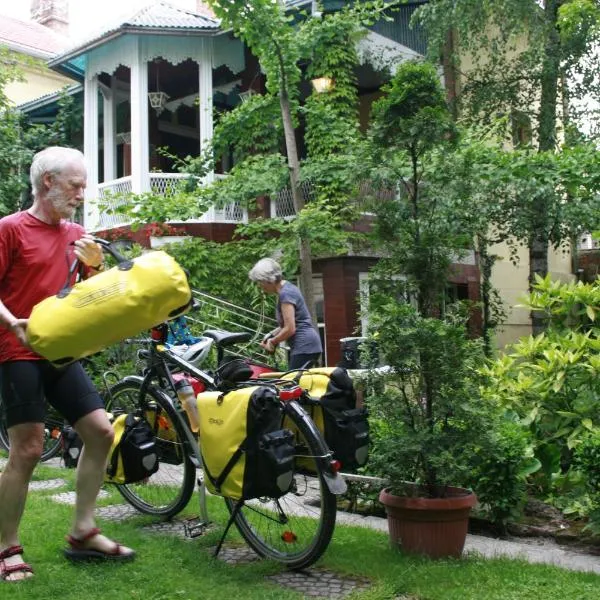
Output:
x=27 y=384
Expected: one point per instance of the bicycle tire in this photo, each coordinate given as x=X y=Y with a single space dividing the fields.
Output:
x=52 y=432
x=307 y=513
x=168 y=491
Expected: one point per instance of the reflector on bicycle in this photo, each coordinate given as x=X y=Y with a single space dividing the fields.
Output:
x=287 y=394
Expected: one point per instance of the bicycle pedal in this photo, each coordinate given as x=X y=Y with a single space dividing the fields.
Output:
x=194 y=527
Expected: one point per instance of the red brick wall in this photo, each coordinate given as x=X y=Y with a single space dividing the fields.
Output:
x=341 y=304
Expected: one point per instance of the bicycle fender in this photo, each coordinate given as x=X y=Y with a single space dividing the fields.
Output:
x=335 y=482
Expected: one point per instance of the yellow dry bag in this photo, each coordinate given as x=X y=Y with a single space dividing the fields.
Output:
x=109 y=307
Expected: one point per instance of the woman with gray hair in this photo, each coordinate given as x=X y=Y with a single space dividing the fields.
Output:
x=292 y=315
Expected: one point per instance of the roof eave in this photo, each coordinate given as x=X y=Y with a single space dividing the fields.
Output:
x=60 y=63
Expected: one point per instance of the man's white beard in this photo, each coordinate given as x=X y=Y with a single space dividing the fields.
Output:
x=60 y=203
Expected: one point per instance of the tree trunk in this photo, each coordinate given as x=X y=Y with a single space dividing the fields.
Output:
x=538 y=247
x=304 y=251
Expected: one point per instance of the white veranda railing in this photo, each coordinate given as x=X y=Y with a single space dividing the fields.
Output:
x=116 y=194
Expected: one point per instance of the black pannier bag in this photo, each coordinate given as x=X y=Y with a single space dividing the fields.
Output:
x=332 y=406
x=133 y=455
x=71 y=446
x=245 y=452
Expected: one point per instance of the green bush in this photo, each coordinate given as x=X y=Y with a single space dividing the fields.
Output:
x=551 y=380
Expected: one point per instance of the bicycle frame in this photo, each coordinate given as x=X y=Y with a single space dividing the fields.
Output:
x=160 y=357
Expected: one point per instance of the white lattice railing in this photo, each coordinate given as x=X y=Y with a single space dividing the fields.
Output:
x=165 y=183
x=283 y=204
x=113 y=195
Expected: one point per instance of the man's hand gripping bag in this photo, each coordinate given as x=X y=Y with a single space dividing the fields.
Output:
x=109 y=307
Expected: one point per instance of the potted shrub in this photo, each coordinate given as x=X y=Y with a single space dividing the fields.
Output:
x=429 y=428
x=433 y=436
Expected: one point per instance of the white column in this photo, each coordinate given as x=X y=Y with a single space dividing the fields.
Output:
x=205 y=93
x=91 y=213
x=140 y=144
x=108 y=137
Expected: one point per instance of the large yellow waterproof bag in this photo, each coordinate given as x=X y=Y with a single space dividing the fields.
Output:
x=109 y=307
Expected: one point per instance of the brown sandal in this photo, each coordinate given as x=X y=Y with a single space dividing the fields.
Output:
x=79 y=552
x=7 y=570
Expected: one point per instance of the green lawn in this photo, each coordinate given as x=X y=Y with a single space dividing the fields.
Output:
x=168 y=567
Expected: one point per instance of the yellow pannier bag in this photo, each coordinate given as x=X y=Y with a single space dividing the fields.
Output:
x=109 y=307
x=331 y=403
x=245 y=452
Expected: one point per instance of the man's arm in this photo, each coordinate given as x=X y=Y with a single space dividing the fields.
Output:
x=17 y=326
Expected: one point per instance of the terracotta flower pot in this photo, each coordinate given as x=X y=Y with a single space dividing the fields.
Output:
x=435 y=527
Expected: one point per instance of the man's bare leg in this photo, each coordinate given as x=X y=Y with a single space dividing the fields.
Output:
x=26 y=444
x=97 y=434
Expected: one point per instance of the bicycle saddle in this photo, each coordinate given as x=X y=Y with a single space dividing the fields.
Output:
x=227 y=338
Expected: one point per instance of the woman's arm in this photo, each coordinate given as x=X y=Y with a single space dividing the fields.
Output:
x=288 y=329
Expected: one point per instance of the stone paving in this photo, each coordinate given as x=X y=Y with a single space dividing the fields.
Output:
x=319 y=583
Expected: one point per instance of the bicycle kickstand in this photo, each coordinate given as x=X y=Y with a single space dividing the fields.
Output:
x=196 y=527
x=234 y=512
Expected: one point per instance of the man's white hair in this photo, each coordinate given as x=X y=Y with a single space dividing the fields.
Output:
x=267 y=270
x=52 y=160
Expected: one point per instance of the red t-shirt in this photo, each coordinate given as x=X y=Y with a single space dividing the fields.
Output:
x=34 y=263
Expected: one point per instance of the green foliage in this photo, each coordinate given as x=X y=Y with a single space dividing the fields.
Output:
x=413 y=115
x=421 y=231
x=430 y=424
x=19 y=140
x=551 y=380
x=501 y=470
x=586 y=460
x=253 y=127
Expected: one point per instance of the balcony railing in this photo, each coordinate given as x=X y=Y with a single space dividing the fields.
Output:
x=114 y=195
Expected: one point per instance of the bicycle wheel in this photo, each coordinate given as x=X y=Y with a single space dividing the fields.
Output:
x=53 y=426
x=167 y=491
x=296 y=528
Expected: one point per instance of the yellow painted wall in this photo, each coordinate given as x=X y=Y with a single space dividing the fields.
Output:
x=510 y=280
x=39 y=81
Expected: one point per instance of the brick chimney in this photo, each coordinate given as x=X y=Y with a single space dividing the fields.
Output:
x=53 y=14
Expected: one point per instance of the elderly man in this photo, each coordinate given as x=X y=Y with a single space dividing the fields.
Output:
x=37 y=247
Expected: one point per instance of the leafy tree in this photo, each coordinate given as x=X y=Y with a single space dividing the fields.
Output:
x=267 y=30
x=19 y=140
x=530 y=59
